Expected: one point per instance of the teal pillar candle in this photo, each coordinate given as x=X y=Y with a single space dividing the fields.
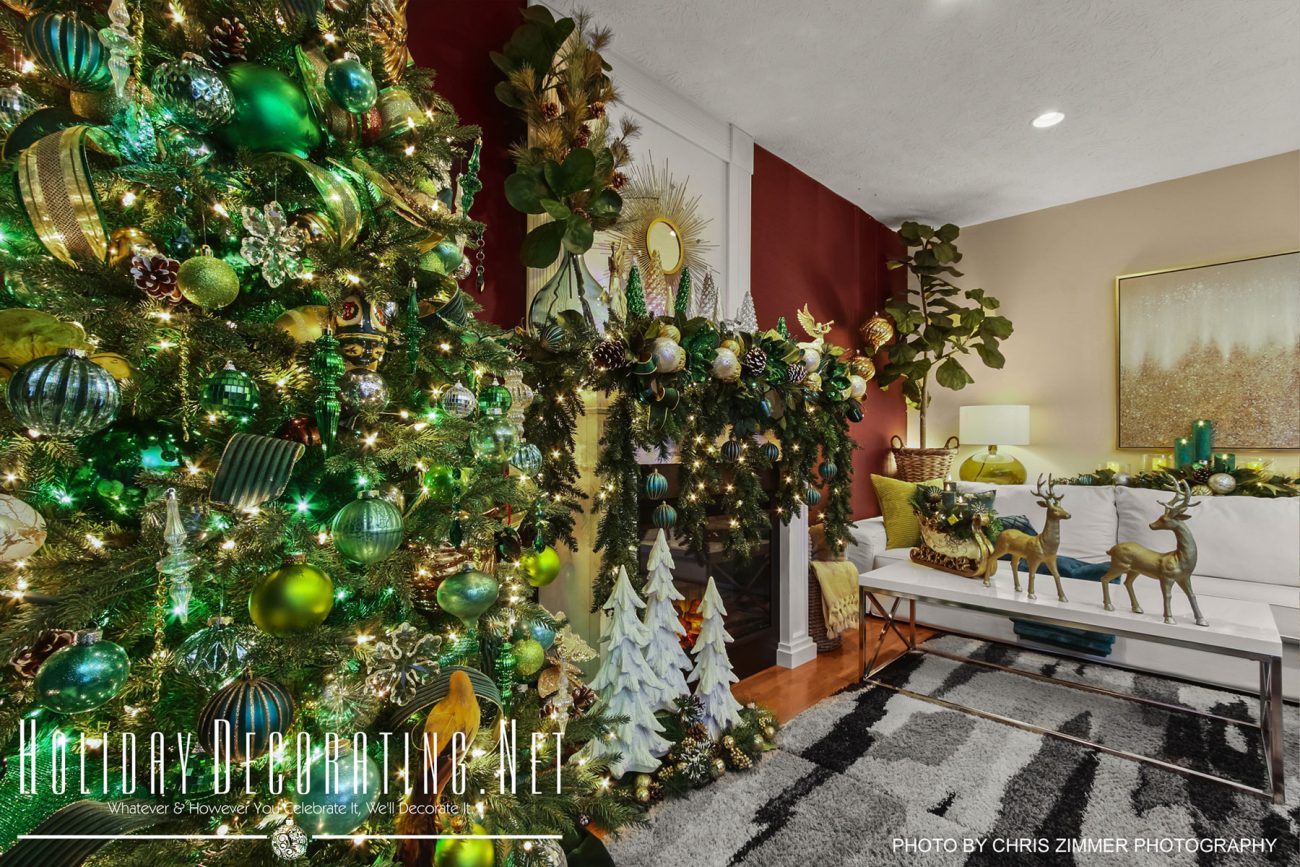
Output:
x=1225 y=463
x=1202 y=440
x=1182 y=452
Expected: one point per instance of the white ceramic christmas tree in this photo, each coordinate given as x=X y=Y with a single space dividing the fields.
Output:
x=705 y=300
x=747 y=317
x=626 y=682
x=712 y=675
x=664 y=652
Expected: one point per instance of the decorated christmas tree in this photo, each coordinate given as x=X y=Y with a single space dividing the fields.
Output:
x=627 y=685
x=664 y=651
x=712 y=674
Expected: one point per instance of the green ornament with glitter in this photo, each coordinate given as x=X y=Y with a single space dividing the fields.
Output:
x=230 y=394
x=328 y=367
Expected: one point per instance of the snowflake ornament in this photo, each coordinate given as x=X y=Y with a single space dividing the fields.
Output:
x=403 y=663
x=272 y=243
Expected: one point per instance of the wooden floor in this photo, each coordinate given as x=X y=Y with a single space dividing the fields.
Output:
x=788 y=691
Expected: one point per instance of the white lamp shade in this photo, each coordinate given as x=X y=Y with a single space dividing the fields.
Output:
x=998 y=425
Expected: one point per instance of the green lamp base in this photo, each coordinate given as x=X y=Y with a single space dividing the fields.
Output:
x=993 y=468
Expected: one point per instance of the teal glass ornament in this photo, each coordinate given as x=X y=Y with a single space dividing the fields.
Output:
x=828 y=470
x=854 y=411
x=443 y=259
x=331 y=804
x=252 y=706
x=527 y=459
x=542 y=634
x=367 y=530
x=656 y=485
x=230 y=394
x=812 y=496
x=468 y=594
x=68 y=50
x=64 y=395
x=82 y=676
x=494 y=400
x=664 y=516
x=186 y=148
x=732 y=450
x=193 y=93
x=495 y=439
x=351 y=86
x=771 y=451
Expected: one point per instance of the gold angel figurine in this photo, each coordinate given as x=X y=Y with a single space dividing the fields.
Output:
x=817 y=331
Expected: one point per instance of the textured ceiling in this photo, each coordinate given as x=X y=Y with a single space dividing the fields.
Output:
x=922 y=108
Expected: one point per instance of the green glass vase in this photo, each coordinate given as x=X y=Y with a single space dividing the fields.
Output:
x=571 y=288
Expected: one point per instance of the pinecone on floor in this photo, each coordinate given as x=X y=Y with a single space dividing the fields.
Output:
x=754 y=363
x=228 y=42
x=156 y=277
x=797 y=373
x=610 y=354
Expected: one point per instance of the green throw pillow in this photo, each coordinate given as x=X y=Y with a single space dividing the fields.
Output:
x=902 y=530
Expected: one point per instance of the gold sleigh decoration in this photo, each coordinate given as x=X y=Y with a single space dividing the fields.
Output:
x=969 y=558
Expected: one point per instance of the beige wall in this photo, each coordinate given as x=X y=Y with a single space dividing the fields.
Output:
x=1054 y=272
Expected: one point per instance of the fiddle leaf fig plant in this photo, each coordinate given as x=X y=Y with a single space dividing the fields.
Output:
x=937 y=322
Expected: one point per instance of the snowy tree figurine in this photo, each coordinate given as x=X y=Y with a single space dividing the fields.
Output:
x=664 y=652
x=712 y=675
x=705 y=302
x=625 y=681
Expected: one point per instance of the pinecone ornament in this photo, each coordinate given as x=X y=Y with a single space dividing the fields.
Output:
x=228 y=42
x=610 y=354
x=584 y=697
x=797 y=373
x=1202 y=475
x=156 y=277
x=754 y=363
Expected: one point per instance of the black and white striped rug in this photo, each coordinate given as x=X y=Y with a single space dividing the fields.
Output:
x=870 y=776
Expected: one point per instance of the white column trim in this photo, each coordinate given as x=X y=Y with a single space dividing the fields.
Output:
x=740 y=176
x=795 y=646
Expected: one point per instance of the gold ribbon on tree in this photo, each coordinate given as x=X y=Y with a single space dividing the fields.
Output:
x=338 y=197
x=55 y=185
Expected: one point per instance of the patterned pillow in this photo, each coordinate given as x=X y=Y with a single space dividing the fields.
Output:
x=902 y=530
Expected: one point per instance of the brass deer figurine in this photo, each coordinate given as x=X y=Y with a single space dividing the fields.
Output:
x=1036 y=549
x=1169 y=569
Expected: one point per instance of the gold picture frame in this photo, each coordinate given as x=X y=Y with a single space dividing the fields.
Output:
x=1210 y=340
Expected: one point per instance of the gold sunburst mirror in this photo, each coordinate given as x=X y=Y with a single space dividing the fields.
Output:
x=659 y=216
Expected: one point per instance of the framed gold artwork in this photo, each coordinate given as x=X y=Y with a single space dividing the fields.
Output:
x=1219 y=341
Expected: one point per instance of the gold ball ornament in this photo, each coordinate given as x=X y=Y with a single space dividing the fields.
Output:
x=465 y=850
x=207 y=281
x=1222 y=483
x=759 y=743
x=1202 y=490
x=672 y=332
x=863 y=367
x=728 y=742
x=732 y=344
x=718 y=768
x=291 y=600
x=876 y=332
x=540 y=567
x=642 y=795
x=769 y=732
x=126 y=242
x=304 y=324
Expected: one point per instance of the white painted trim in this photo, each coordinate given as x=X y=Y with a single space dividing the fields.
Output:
x=795 y=646
x=740 y=237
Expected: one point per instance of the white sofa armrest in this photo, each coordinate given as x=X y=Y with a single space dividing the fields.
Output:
x=866 y=540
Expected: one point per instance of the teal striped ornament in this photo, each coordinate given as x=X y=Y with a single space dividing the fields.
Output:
x=367 y=530
x=253 y=706
x=69 y=50
x=295 y=11
x=731 y=450
x=812 y=496
x=828 y=470
x=64 y=395
x=664 y=516
x=527 y=459
x=772 y=452
x=656 y=485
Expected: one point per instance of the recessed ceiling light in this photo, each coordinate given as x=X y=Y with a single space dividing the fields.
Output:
x=1048 y=118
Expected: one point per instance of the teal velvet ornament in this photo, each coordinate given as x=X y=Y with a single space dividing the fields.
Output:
x=656 y=485
x=351 y=86
x=82 y=676
x=340 y=796
x=230 y=394
x=68 y=50
x=193 y=94
x=495 y=439
x=367 y=530
x=250 y=705
x=828 y=470
x=812 y=496
x=467 y=594
x=271 y=112
x=527 y=459
x=771 y=451
x=64 y=395
x=664 y=516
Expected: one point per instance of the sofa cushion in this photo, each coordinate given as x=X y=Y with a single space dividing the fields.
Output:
x=1241 y=538
x=901 y=526
x=1087 y=535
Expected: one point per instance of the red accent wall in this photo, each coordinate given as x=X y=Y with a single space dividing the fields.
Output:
x=812 y=245
x=453 y=37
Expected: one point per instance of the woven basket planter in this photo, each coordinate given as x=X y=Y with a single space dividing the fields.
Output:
x=920 y=465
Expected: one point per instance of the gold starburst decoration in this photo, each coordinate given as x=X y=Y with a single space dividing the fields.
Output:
x=653 y=197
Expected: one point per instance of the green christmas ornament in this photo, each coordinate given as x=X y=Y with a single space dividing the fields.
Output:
x=82 y=676
x=442 y=259
x=64 y=395
x=634 y=293
x=193 y=93
x=656 y=485
x=495 y=439
x=68 y=50
x=367 y=530
x=291 y=600
x=540 y=567
x=530 y=656
x=664 y=516
x=351 y=86
x=207 y=281
x=443 y=483
x=542 y=633
x=330 y=804
x=466 y=850
x=328 y=367
x=467 y=594
x=271 y=112
x=812 y=496
x=250 y=706
x=230 y=394
x=504 y=669
x=527 y=459
x=828 y=470
x=494 y=400
x=186 y=148
x=771 y=451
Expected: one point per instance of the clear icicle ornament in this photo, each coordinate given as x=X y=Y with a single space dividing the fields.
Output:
x=121 y=45
x=176 y=566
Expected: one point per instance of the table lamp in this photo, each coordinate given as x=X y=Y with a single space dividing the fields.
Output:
x=993 y=426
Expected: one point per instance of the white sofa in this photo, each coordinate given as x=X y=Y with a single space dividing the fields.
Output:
x=1248 y=548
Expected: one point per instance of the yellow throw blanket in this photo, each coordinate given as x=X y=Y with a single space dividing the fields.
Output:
x=839 y=582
